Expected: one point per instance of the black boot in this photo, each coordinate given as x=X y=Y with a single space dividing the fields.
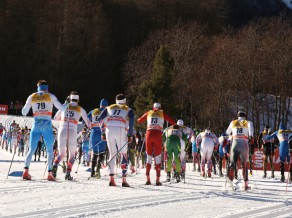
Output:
x=93 y=164
x=282 y=168
x=54 y=171
x=177 y=177
x=265 y=174
x=68 y=176
x=168 y=177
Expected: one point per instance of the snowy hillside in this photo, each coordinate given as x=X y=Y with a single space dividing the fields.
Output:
x=198 y=197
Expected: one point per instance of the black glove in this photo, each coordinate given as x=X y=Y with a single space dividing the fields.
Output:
x=130 y=138
x=103 y=137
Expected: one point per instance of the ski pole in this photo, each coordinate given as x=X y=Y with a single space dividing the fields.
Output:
x=77 y=167
x=45 y=169
x=140 y=154
x=288 y=177
x=117 y=153
x=11 y=163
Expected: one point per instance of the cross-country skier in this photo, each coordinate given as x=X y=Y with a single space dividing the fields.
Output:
x=172 y=138
x=184 y=145
x=42 y=103
x=224 y=147
x=67 y=133
x=84 y=134
x=283 y=135
x=155 y=120
x=268 y=149
x=290 y=150
x=242 y=133
x=96 y=142
x=119 y=121
x=207 y=141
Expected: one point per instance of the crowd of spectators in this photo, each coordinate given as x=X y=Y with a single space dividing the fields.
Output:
x=15 y=108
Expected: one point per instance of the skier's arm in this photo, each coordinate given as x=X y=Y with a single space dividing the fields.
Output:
x=56 y=103
x=198 y=140
x=229 y=129
x=89 y=115
x=143 y=118
x=290 y=141
x=259 y=141
x=85 y=118
x=274 y=135
x=250 y=129
x=57 y=116
x=26 y=107
x=131 y=122
x=168 y=119
x=102 y=115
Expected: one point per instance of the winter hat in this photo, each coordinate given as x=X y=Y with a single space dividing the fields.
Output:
x=156 y=106
x=103 y=103
x=180 y=122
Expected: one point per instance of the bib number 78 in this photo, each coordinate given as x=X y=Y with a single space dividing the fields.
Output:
x=239 y=130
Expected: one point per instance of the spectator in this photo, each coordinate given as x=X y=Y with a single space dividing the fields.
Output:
x=11 y=108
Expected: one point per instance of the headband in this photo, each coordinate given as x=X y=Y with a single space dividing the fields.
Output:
x=123 y=101
x=75 y=97
x=43 y=87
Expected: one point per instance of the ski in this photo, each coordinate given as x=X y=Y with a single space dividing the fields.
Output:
x=230 y=183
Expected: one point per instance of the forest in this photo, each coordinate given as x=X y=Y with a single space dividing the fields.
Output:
x=203 y=60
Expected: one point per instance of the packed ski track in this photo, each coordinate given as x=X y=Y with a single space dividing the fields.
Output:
x=198 y=197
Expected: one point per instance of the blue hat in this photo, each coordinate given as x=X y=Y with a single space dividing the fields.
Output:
x=282 y=126
x=103 y=103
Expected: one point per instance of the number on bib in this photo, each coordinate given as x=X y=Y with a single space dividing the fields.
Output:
x=41 y=105
x=239 y=130
x=117 y=112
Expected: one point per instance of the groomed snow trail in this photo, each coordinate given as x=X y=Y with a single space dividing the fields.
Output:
x=198 y=197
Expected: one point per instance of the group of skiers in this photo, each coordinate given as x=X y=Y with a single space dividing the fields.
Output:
x=112 y=128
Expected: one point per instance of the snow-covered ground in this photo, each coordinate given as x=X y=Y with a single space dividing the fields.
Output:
x=198 y=197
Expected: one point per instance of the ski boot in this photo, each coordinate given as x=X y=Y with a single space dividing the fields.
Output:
x=177 y=177
x=203 y=173
x=168 y=177
x=26 y=175
x=68 y=176
x=124 y=183
x=54 y=171
x=273 y=175
x=194 y=168
x=133 y=169
x=92 y=174
x=265 y=175
x=148 y=182
x=199 y=170
x=112 y=181
x=250 y=172
x=97 y=173
x=182 y=175
x=220 y=173
x=51 y=177
x=246 y=187
x=158 y=183
x=209 y=173
x=282 y=178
